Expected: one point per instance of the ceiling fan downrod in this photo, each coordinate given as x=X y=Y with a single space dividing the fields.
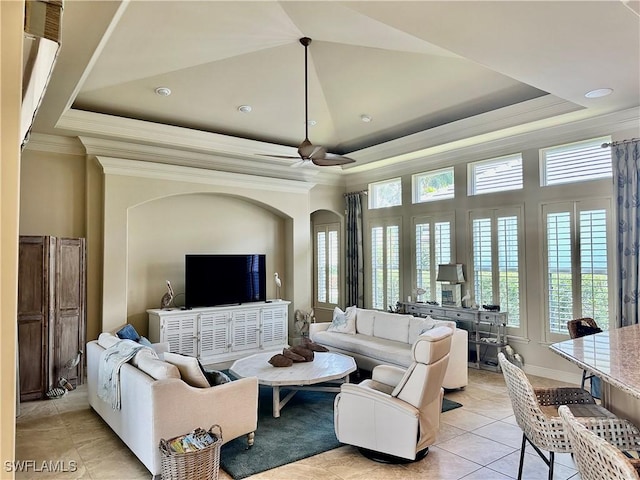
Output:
x=306 y=41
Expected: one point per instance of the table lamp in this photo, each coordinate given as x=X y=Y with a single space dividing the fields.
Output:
x=451 y=276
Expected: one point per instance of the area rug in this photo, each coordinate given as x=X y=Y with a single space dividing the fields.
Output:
x=304 y=429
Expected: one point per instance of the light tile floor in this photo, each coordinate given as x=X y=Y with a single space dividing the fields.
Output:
x=478 y=441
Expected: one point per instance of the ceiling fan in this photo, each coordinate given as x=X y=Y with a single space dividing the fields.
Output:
x=308 y=152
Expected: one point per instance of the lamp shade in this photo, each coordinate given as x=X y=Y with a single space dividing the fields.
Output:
x=450 y=272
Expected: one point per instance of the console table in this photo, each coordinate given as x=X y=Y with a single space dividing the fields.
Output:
x=219 y=334
x=486 y=329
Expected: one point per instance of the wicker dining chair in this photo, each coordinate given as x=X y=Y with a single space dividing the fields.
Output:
x=599 y=444
x=536 y=412
x=581 y=327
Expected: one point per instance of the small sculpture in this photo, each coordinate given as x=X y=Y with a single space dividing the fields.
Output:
x=278 y=284
x=287 y=352
x=167 y=298
x=302 y=321
x=279 y=360
x=66 y=369
x=311 y=345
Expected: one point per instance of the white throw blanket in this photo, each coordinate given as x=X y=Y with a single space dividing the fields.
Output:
x=109 y=372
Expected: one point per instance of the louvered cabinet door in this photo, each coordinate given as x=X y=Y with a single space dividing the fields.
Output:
x=214 y=334
x=274 y=326
x=36 y=303
x=182 y=334
x=245 y=329
x=69 y=308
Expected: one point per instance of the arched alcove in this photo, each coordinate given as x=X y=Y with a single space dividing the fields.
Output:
x=161 y=231
x=166 y=209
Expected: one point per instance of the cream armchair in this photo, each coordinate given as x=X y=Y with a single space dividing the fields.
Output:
x=397 y=412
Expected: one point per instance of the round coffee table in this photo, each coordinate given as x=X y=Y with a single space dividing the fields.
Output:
x=325 y=367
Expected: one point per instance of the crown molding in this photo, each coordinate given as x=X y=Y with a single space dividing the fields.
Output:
x=54 y=144
x=169 y=156
x=143 y=132
x=161 y=171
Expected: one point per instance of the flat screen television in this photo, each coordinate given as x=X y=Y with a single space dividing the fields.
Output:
x=212 y=280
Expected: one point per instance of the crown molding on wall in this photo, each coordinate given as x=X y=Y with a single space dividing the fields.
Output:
x=455 y=153
x=139 y=131
x=178 y=173
x=55 y=144
x=159 y=154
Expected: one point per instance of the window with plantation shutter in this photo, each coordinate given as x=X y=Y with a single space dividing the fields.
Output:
x=385 y=264
x=575 y=162
x=433 y=246
x=327 y=264
x=497 y=259
x=577 y=267
x=495 y=175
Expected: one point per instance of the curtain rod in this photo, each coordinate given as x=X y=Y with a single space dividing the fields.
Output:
x=621 y=142
x=361 y=192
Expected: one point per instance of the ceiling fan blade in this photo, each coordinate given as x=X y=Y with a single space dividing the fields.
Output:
x=300 y=163
x=318 y=152
x=331 y=159
x=306 y=149
x=277 y=156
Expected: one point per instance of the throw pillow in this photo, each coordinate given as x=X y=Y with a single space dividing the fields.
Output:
x=128 y=332
x=343 y=322
x=189 y=367
x=215 y=377
x=158 y=369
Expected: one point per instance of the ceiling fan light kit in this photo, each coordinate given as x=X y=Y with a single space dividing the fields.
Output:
x=307 y=151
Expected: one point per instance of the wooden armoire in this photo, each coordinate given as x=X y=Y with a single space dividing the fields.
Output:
x=51 y=312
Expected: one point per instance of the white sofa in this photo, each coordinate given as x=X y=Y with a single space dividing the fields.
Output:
x=384 y=338
x=166 y=406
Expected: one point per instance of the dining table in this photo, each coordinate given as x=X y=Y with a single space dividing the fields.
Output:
x=614 y=357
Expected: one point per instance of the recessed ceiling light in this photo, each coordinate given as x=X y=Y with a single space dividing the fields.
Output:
x=599 y=92
x=244 y=108
x=163 y=91
x=365 y=118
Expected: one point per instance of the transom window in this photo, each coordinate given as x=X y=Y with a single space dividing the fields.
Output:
x=575 y=162
x=387 y=193
x=495 y=175
x=432 y=186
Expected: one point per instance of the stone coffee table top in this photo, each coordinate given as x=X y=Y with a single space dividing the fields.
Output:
x=325 y=367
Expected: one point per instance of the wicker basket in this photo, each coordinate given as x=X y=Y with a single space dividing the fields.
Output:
x=199 y=465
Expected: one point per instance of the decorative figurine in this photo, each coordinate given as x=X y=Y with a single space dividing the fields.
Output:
x=167 y=298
